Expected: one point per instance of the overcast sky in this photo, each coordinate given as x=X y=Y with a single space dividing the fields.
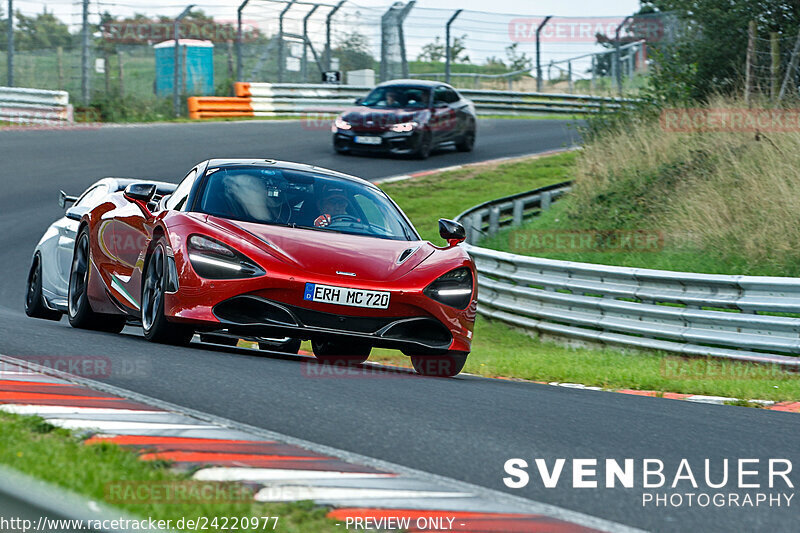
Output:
x=486 y=22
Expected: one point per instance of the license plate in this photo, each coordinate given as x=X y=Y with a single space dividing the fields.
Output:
x=360 y=139
x=345 y=296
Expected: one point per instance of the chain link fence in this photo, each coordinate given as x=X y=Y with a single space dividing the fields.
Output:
x=297 y=41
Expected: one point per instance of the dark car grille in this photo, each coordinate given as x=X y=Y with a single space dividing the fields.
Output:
x=242 y=312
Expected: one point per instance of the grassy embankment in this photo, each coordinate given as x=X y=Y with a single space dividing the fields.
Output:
x=635 y=180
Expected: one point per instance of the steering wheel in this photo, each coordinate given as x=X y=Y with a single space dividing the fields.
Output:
x=344 y=218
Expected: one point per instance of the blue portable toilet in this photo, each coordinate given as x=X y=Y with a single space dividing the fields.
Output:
x=197 y=61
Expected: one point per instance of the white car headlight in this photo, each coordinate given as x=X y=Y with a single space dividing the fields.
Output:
x=404 y=127
x=341 y=124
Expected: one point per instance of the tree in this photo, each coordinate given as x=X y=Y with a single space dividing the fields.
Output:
x=436 y=51
x=354 y=53
x=517 y=60
x=39 y=32
x=433 y=52
x=709 y=52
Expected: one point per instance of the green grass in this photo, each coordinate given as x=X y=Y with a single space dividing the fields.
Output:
x=30 y=445
x=501 y=351
x=668 y=255
x=427 y=199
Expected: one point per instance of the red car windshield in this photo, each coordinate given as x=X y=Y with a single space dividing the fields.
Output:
x=398 y=97
x=301 y=199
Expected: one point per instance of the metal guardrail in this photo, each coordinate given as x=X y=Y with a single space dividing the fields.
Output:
x=267 y=99
x=732 y=317
x=34 y=106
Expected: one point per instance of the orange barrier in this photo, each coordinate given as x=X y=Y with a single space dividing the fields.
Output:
x=219 y=106
x=242 y=89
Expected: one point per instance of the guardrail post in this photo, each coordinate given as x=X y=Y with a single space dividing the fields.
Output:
x=494 y=220
x=519 y=206
x=544 y=203
x=477 y=225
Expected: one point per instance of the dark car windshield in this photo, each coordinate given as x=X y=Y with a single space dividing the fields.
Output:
x=301 y=199
x=398 y=97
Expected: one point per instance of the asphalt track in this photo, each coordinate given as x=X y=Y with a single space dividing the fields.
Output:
x=464 y=428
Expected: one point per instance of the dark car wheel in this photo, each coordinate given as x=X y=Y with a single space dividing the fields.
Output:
x=442 y=366
x=425 y=145
x=287 y=346
x=34 y=300
x=467 y=142
x=80 y=311
x=333 y=352
x=154 y=324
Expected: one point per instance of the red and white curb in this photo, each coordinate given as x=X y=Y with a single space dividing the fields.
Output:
x=281 y=468
x=770 y=405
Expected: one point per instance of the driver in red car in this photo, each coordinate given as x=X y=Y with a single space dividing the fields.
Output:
x=333 y=203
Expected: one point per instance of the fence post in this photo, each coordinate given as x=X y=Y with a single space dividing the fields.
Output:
x=539 y=54
x=60 y=65
x=106 y=72
x=85 y=53
x=569 y=77
x=790 y=70
x=176 y=67
x=617 y=58
x=305 y=43
x=391 y=29
x=751 y=51
x=447 y=45
x=775 y=65
x=10 y=49
x=328 y=34
x=280 y=39
x=239 y=38
x=121 y=74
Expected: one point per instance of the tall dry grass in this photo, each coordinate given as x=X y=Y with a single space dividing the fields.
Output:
x=734 y=197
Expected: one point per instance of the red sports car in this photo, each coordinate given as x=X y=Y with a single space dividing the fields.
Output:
x=277 y=253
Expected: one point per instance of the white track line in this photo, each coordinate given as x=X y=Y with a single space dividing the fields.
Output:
x=19 y=409
x=109 y=426
x=277 y=474
x=286 y=493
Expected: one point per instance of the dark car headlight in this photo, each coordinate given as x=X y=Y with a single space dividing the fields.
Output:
x=213 y=260
x=453 y=289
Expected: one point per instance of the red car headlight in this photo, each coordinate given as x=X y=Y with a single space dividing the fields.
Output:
x=213 y=260
x=453 y=289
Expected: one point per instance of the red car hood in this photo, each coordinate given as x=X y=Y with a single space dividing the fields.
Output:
x=326 y=252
